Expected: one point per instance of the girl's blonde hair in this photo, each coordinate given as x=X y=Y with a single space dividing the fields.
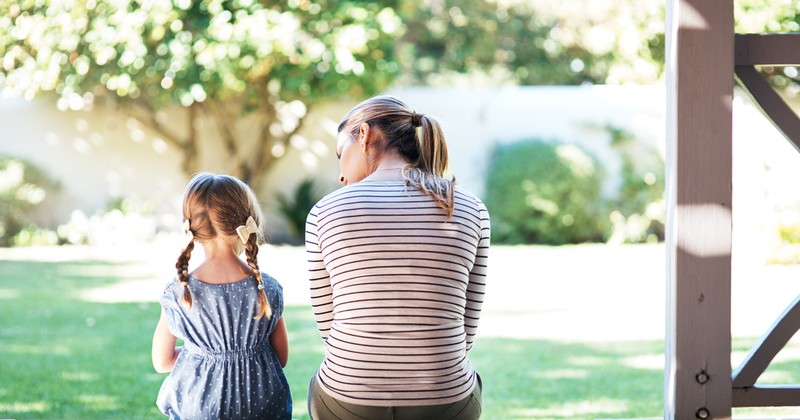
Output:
x=418 y=138
x=218 y=204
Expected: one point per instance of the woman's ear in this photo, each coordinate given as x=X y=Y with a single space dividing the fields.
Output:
x=364 y=135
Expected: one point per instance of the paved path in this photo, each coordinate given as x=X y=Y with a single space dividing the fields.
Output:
x=584 y=293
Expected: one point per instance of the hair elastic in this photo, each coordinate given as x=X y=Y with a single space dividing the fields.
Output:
x=416 y=119
x=261 y=286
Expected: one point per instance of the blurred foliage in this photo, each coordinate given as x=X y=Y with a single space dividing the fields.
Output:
x=789 y=233
x=639 y=210
x=545 y=193
x=221 y=60
x=531 y=42
x=124 y=220
x=550 y=193
x=295 y=209
x=23 y=187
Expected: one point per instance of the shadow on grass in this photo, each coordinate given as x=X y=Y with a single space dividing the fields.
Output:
x=64 y=357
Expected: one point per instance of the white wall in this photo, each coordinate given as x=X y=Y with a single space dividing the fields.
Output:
x=95 y=155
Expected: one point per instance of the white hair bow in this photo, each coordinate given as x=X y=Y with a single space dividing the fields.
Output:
x=250 y=227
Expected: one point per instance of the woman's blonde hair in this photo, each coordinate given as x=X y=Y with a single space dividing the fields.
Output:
x=418 y=138
x=216 y=204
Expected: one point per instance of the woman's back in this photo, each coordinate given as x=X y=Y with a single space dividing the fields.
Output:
x=397 y=289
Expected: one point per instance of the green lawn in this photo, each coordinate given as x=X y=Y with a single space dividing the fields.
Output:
x=63 y=357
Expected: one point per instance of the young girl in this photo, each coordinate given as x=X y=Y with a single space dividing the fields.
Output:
x=227 y=312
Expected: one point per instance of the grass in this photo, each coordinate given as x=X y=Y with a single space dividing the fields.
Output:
x=64 y=357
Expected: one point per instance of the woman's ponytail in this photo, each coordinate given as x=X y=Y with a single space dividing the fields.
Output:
x=432 y=147
x=428 y=172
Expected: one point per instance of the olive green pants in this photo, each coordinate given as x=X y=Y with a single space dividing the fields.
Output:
x=322 y=406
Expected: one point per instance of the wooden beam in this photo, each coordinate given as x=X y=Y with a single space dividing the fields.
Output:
x=767 y=49
x=767 y=396
x=771 y=104
x=699 y=130
x=762 y=354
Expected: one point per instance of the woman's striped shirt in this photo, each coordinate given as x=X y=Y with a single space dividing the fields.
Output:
x=396 y=289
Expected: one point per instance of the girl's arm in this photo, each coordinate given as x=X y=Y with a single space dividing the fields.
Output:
x=164 y=351
x=279 y=339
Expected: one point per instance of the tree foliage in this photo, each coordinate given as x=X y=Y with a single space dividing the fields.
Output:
x=218 y=59
x=533 y=42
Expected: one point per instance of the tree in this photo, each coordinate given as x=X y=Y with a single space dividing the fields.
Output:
x=216 y=59
x=225 y=61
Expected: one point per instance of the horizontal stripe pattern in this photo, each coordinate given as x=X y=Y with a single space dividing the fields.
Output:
x=396 y=289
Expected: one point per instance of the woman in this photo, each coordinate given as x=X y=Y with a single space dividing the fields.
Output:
x=398 y=271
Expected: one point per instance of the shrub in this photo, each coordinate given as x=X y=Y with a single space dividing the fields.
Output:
x=23 y=187
x=639 y=211
x=295 y=209
x=124 y=220
x=545 y=193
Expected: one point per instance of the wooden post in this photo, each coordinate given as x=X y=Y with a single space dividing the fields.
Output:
x=700 y=80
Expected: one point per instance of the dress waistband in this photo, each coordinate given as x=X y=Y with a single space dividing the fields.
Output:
x=238 y=354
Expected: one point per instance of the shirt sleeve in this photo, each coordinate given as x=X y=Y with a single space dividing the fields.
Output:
x=320 y=280
x=476 y=289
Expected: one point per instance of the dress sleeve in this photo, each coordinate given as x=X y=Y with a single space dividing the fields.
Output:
x=169 y=301
x=275 y=297
x=477 y=279
x=320 y=280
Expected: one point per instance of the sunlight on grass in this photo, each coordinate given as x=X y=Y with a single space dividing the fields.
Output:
x=56 y=349
x=79 y=376
x=763 y=413
x=23 y=408
x=88 y=271
x=9 y=294
x=781 y=377
x=299 y=406
x=649 y=361
x=587 y=361
x=562 y=374
x=99 y=402
x=582 y=409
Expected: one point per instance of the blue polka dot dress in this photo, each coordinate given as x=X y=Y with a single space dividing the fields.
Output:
x=227 y=369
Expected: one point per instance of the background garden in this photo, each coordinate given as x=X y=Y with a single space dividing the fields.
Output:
x=575 y=329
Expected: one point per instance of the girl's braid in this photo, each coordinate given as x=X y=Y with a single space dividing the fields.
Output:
x=183 y=272
x=251 y=251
